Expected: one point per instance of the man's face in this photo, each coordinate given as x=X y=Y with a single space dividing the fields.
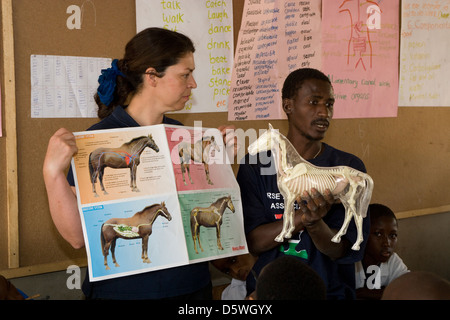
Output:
x=311 y=110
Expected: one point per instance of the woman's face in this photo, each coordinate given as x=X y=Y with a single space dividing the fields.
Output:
x=174 y=88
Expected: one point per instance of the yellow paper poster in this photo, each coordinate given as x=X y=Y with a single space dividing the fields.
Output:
x=424 y=63
x=209 y=24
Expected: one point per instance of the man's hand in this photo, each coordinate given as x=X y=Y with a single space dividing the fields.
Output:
x=314 y=206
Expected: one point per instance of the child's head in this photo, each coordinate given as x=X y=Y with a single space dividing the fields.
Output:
x=288 y=278
x=237 y=267
x=383 y=235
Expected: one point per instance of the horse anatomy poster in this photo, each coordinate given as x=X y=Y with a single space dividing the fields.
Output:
x=156 y=197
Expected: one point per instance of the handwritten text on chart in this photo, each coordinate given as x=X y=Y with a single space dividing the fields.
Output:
x=210 y=25
x=422 y=63
x=271 y=30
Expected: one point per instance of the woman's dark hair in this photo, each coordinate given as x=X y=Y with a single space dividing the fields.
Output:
x=153 y=47
x=295 y=80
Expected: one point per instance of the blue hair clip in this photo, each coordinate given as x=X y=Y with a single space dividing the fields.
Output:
x=107 y=81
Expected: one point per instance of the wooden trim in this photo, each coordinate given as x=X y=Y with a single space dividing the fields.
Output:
x=82 y=262
x=9 y=92
x=422 y=212
x=42 y=268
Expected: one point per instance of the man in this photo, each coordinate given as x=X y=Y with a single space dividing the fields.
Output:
x=307 y=99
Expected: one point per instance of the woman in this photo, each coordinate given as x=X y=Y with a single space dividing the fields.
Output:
x=154 y=77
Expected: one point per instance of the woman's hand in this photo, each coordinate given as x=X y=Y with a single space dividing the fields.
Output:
x=61 y=148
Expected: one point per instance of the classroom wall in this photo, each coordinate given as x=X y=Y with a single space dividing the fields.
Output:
x=407 y=156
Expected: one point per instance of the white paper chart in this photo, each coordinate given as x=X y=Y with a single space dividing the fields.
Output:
x=64 y=86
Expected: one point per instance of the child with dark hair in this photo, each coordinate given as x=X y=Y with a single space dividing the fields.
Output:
x=288 y=278
x=380 y=264
x=238 y=268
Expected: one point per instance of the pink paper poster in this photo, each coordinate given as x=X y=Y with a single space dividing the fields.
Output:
x=275 y=38
x=360 y=56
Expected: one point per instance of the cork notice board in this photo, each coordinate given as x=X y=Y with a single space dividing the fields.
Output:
x=407 y=156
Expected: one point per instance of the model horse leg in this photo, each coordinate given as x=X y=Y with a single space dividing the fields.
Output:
x=288 y=213
x=343 y=230
x=350 y=211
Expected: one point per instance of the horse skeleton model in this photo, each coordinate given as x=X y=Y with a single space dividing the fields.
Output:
x=126 y=156
x=199 y=153
x=137 y=226
x=296 y=175
x=209 y=217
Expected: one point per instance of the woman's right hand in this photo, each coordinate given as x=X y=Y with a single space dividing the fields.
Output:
x=61 y=148
x=61 y=196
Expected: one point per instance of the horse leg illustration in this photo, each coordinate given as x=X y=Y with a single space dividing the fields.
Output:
x=105 y=249
x=183 y=171
x=144 y=257
x=105 y=255
x=207 y=173
x=219 y=244
x=184 y=164
x=194 y=238
x=198 y=238
x=101 y=170
x=94 y=180
x=195 y=229
x=189 y=172
x=93 y=173
x=113 y=250
x=133 y=184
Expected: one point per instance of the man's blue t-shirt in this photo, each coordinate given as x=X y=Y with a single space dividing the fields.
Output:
x=159 y=284
x=263 y=203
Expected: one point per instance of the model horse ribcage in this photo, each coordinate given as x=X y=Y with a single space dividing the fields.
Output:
x=311 y=179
